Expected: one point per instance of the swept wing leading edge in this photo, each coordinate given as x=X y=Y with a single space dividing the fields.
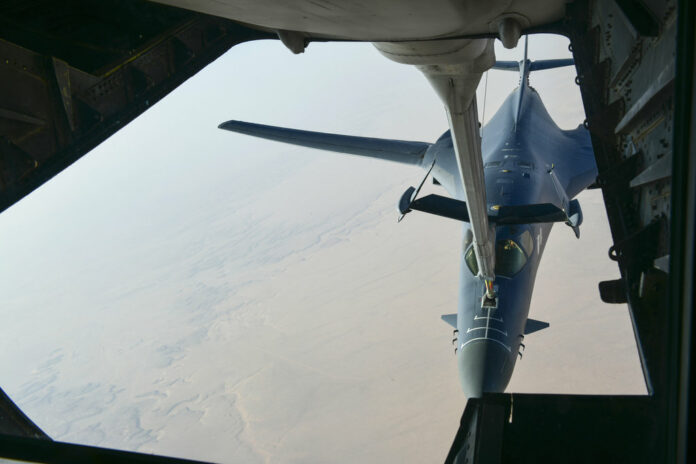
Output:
x=398 y=151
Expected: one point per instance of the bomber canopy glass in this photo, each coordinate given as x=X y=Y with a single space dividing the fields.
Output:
x=510 y=257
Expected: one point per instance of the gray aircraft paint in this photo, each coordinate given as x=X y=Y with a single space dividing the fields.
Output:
x=523 y=151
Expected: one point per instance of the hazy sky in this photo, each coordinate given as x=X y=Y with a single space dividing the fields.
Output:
x=191 y=291
x=175 y=149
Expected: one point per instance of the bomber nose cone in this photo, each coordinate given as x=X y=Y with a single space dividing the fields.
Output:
x=484 y=366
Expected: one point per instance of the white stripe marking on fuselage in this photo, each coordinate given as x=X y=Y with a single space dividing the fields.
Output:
x=484 y=338
x=488 y=323
x=471 y=329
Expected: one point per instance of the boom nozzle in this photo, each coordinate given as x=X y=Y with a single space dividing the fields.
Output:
x=490 y=298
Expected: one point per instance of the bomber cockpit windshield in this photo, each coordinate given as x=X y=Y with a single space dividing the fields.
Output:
x=510 y=256
x=470 y=258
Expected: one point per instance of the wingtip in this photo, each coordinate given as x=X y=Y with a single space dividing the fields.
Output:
x=242 y=127
x=227 y=124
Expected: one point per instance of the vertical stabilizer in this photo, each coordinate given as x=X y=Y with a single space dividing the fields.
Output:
x=524 y=67
x=524 y=82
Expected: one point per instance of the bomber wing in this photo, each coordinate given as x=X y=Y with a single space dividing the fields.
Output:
x=399 y=151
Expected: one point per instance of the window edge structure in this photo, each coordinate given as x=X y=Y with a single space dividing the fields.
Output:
x=510 y=258
x=470 y=260
x=512 y=263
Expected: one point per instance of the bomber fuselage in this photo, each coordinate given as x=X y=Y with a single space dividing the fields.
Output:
x=520 y=146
